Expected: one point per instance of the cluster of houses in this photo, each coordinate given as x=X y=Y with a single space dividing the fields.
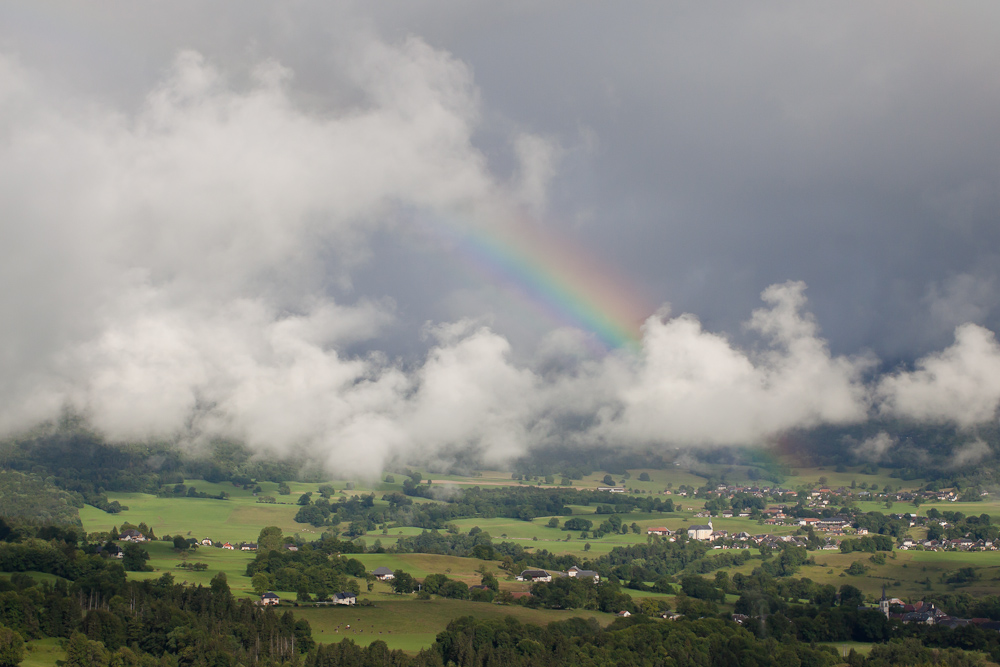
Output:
x=949 y=495
x=837 y=525
x=271 y=598
x=927 y=614
x=776 y=515
x=696 y=532
x=706 y=532
x=729 y=490
x=958 y=544
x=132 y=535
x=823 y=496
x=832 y=527
x=921 y=612
x=573 y=573
x=242 y=546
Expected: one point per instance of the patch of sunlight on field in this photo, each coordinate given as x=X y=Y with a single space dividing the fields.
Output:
x=164 y=558
x=43 y=653
x=235 y=520
x=410 y=624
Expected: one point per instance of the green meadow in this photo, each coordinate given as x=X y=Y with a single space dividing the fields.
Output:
x=421 y=565
x=39 y=577
x=410 y=625
x=43 y=653
x=164 y=558
x=235 y=520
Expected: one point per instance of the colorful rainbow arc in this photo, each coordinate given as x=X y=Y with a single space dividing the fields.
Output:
x=557 y=278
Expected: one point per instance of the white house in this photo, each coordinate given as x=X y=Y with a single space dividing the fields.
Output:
x=383 y=574
x=534 y=575
x=269 y=598
x=345 y=598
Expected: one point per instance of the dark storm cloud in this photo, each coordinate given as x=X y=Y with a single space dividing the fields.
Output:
x=213 y=219
x=709 y=152
x=854 y=148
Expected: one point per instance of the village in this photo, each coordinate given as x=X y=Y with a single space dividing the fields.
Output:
x=814 y=511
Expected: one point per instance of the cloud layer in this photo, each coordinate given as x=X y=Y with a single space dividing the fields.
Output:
x=169 y=272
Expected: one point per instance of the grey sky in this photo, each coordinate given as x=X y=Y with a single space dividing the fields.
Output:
x=170 y=162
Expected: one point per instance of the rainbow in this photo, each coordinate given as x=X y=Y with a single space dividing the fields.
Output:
x=557 y=278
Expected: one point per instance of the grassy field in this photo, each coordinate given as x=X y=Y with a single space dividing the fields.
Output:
x=39 y=577
x=43 y=653
x=908 y=575
x=236 y=520
x=411 y=624
x=164 y=558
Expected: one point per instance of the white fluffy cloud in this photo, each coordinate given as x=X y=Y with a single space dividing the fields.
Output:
x=873 y=449
x=970 y=453
x=960 y=384
x=164 y=271
x=695 y=387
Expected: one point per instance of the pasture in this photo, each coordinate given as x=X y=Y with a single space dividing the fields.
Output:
x=238 y=519
x=164 y=558
x=43 y=653
x=410 y=624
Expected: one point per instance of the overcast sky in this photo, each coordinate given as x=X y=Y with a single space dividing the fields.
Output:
x=374 y=225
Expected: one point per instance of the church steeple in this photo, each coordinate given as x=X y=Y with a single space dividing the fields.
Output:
x=883 y=604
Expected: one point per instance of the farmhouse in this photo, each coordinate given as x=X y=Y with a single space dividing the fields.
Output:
x=700 y=532
x=578 y=573
x=383 y=573
x=248 y=546
x=345 y=598
x=229 y=546
x=660 y=530
x=132 y=535
x=207 y=542
x=269 y=598
x=612 y=489
x=534 y=575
